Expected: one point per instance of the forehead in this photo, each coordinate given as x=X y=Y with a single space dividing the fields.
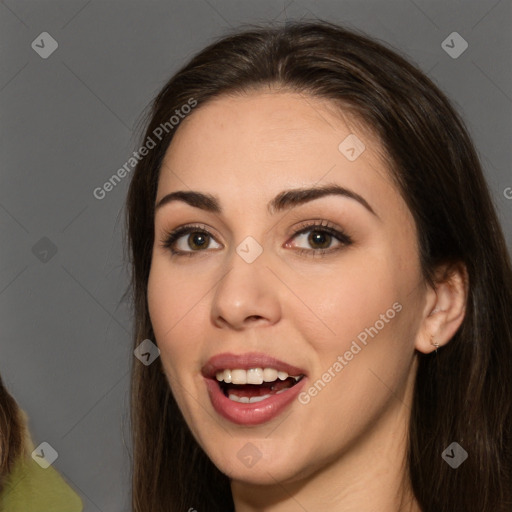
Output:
x=271 y=139
x=277 y=120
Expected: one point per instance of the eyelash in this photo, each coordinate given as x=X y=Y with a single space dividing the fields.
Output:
x=324 y=227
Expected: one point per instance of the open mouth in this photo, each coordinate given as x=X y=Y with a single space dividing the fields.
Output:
x=252 y=388
x=251 y=393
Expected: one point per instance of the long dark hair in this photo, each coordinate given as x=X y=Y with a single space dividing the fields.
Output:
x=11 y=433
x=463 y=394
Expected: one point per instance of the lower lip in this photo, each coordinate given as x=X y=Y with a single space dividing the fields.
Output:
x=251 y=414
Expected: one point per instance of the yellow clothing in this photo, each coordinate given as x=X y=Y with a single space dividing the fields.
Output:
x=30 y=488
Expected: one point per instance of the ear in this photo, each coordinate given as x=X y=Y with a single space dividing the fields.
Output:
x=444 y=309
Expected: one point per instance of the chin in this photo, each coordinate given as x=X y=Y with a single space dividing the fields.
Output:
x=257 y=467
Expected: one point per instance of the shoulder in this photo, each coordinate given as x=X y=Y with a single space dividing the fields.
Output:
x=32 y=488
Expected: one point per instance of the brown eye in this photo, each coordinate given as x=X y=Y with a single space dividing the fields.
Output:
x=197 y=240
x=320 y=239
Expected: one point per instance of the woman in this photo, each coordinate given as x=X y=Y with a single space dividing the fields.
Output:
x=316 y=255
x=26 y=486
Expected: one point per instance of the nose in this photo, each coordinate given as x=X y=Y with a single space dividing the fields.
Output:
x=247 y=295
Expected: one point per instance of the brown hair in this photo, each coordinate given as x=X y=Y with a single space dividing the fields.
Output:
x=11 y=433
x=463 y=394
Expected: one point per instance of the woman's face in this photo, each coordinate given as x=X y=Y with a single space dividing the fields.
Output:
x=341 y=302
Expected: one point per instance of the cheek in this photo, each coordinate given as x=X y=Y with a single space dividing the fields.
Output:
x=359 y=346
x=173 y=303
x=347 y=300
x=364 y=314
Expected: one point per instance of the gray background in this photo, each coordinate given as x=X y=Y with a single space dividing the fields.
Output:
x=68 y=123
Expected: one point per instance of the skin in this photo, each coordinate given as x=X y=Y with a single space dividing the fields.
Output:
x=345 y=449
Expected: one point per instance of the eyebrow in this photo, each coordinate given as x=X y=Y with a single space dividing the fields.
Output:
x=283 y=201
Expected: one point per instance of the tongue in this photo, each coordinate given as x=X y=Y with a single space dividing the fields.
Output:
x=250 y=390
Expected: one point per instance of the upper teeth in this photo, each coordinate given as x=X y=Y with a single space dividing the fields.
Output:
x=252 y=376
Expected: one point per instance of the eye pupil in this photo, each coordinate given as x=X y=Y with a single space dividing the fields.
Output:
x=195 y=236
x=319 y=237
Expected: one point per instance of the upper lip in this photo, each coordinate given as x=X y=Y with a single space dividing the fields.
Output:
x=229 y=361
